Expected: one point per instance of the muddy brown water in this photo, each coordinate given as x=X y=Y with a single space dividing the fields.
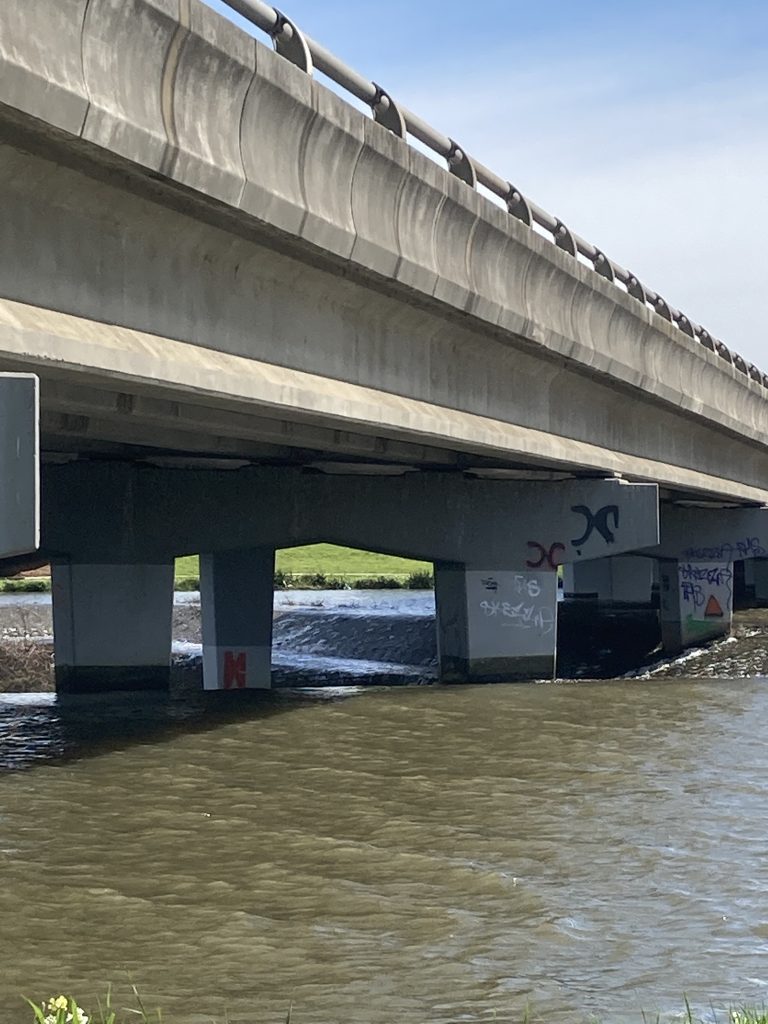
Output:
x=412 y=854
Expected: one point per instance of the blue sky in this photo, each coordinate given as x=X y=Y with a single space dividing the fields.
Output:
x=643 y=126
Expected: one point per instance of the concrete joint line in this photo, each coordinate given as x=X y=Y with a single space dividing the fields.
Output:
x=168 y=87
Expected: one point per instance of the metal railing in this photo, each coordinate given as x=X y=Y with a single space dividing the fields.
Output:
x=290 y=42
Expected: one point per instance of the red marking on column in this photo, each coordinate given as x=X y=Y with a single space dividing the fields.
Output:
x=714 y=609
x=234 y=670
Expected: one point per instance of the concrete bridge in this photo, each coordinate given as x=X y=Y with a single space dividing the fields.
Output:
x=259 y=317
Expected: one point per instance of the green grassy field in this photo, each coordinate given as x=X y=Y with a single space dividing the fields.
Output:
x=329 y=560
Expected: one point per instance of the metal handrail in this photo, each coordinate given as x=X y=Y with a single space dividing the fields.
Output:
x=291 y=43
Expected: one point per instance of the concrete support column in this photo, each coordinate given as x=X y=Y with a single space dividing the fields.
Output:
x=759 y=572
x=696 y=602
x=236 y=594
x=621 y=580
x=112 y=626
x=495 y=625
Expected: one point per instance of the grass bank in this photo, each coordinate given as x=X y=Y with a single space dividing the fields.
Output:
x=328 y=566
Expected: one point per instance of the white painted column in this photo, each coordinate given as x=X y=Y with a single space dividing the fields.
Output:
x=112 y=626
x=495 y=625
x=621 y=580
x=236 y=595
x=696 y=602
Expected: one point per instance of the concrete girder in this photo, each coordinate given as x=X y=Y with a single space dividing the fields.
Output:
x=140 y=419
x=60 y=345
x=437 y=516
x=712 y=534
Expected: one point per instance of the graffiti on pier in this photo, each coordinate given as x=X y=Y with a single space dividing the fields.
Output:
x=544 y=556
x=597 y=521
x=715 y=575
x=522 y=615
x=512 y=614
x=705 y=592
x=747 y=547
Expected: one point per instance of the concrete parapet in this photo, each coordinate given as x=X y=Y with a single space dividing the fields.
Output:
x=457 y=219
x=331 y=147
x=421 y=199
x=491 y=282
x=129 y=53
x=214 y=71
x=280 y=94
x=41 y=60
x=381 y=172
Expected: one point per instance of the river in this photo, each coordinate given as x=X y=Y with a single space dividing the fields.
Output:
x=415 y=854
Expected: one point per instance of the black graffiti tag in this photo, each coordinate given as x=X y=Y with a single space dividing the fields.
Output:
x=597 y=521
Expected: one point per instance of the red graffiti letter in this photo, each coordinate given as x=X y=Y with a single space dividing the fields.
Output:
x=544 y=555
x=533 y=563
x=234 y=670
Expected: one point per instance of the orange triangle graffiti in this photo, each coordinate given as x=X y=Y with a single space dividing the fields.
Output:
x=714 y=609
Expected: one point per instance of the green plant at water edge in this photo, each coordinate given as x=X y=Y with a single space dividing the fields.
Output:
x=747 y=1015
x=377 y=583
x=65 y=1010
x=422 y=580
x=62 y=1010
x=26 y=585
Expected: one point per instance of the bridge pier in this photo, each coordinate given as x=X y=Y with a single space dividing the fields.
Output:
x=112 y=626
x=236 y=596
x=697 y=551
x=696 y=602
x=621 y=580
x=495 y=625
x=756 y=573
